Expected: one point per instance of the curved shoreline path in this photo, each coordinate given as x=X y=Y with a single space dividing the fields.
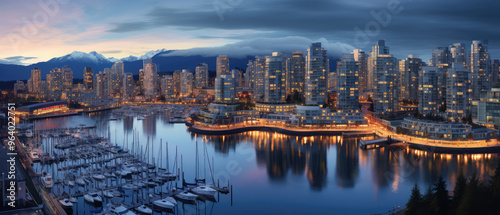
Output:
x=430 y=145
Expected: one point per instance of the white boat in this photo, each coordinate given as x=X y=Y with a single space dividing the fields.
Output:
x=204 y=190
x=187 y=196
x=164 y=203
x=141 y=117
x=93 y=198
x=108 y=194
x=47 y=181
x=99 y=177
x=119 y=210
x=112 y=117
x=66 y=203
x=29 y=133
x=144 y=209
x=73 y=199
x=129 y=187
x=80 y=182
x=172 y=200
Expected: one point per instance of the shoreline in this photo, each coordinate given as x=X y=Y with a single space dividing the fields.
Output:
x=318 y=132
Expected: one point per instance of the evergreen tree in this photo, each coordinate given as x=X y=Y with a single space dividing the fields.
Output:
x=468 y=203
x=426 y=201
x=459 y=190
x=441 y=200
x=413 y=205
x=495 y=189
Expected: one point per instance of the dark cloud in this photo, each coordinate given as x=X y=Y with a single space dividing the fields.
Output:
x=18 y=58
x=420 y=27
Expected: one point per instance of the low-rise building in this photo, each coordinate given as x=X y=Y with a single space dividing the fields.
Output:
x=315 y=115
x=274 y=108
x=436 y=130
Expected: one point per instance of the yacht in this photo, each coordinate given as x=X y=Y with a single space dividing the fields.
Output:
x=99 y=177
x=144 y=209
x=66 y=203
x=187 y=196
x=164 y=203
x=141 y=117
x=47 y=181
x=112 y=117
x=108 y=194
x=93 y=198
x=119 y=210
x=204 y=190
x=80 y=182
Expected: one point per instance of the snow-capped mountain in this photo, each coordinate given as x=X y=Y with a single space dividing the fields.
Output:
x=113 y=59
x=147 y=55
x=129 y=58
x=82 y=57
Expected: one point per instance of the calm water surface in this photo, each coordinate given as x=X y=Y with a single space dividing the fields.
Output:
x=273 y=173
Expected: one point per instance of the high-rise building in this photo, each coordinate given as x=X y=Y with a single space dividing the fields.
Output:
x=249 y=75
x=187 y=79
x=150 y=74
x=495 y=70
x=385 y=89
x=237 y=75
x=458 y=90
x=67 y=78
x=115 y=84
x=55 y=80
x=167 y=86
x=225 y=91
x=88 y=78
x=128 y=86
x=223 y=65
x=295 y=73
x=479 y=67
x=362 y=58
x=101 y=84
x=19 y=86
x=177 y=82
x=259 y=70
x=441 y=57
x=317 y=71
x=347 y=84
x=428 y=93
x=201 y=76
x=378 y=49
x=36 y=79
x=408 y=77
x=458 y=53
x=275 y=79
x=141 y=81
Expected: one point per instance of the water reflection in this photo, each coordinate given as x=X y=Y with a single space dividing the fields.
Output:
x=284 y=167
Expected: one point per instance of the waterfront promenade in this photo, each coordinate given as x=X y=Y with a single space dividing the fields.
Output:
x=439 y=146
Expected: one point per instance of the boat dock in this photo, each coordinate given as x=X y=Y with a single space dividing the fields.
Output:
x=376 y=143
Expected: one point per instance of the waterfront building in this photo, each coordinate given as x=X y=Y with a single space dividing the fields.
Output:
x=259 y=70
x=275 y=79
x=317 y=71
x=67 y=78
x=222 y=65
x=226 y=114
x=458 y=92
x=43 y=108
x=479 y=67
x=408 y=77
x=362 y=58
x=436 y=130
x=167 y=86
x=102 y=84
x=36 y=79
x=187 y=80
x=128 y=86
x=315 y=115
x=150 y=73
x=428 y=93
x=295 y=73
x=249 y=75
x=347 y=84
x=201 y=76
x=141 y=81
x=458 y=53
x=488 y=108
x=88 y=78
x=274 y=108
x=225 y=90
x=115 y=81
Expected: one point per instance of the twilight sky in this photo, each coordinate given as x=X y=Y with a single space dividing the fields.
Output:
x=37 y=30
